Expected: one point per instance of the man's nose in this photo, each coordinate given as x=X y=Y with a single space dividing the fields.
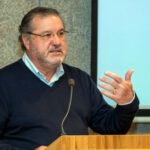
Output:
x=55 y=40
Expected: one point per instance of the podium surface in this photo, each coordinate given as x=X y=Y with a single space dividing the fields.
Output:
x=97 y=142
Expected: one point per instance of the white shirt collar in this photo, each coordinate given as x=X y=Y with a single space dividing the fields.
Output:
x=59 y=71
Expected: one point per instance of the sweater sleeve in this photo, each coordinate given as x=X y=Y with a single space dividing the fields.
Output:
x=108 y=120
x=3 y=121
x=4 y=113
x=4 y=146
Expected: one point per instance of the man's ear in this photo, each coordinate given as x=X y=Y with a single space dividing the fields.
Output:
x=25 y=41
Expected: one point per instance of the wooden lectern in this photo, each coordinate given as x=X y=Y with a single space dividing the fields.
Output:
x=97 y=142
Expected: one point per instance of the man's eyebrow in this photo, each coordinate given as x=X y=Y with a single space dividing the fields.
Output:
x=49 y=31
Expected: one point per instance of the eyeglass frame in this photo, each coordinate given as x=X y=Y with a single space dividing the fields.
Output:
x=49 y=35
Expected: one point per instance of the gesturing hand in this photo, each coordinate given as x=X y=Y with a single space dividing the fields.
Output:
x=116 y=88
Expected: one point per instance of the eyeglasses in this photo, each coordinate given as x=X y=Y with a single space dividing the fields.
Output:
x=46 y=36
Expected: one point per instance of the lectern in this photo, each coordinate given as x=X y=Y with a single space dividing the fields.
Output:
x=97 y=142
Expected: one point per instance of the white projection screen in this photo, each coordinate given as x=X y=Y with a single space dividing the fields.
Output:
x=124 y=43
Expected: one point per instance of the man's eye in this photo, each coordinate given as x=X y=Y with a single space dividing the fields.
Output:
x=47 y=35
x=61 y=33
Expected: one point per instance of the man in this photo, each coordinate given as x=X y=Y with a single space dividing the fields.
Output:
x=34 y=92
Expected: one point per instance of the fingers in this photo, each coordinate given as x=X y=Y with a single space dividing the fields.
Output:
x=108 y=88
x=128 y=75
x=111 y=82
x=114 y=76
x=116 y=79
x=109 y=95
x=116 y=88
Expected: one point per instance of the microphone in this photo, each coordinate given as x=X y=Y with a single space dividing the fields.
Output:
x=71 y=83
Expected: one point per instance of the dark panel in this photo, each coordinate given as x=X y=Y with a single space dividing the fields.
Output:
x=94 y=16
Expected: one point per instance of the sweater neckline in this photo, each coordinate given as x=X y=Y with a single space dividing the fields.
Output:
x=30 y=73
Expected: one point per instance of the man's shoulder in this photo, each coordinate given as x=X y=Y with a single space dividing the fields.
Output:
x=77 y=74
x=11 y=68
x=74 y=70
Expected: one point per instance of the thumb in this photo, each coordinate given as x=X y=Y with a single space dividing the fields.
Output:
x=128 y=75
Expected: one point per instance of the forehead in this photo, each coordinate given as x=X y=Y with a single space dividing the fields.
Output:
x=47 y=23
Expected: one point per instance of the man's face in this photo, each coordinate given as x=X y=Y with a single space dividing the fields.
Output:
x=50 y=48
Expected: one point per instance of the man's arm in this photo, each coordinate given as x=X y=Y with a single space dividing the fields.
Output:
x=10 y=147
x=3 y=121
x=104 y=118
x=4 y=146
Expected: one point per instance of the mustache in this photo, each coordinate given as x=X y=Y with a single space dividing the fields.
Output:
x=56 y=49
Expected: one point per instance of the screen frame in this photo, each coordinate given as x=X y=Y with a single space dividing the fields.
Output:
x=143 y=112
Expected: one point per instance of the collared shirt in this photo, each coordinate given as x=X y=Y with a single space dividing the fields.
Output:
x=59 y=71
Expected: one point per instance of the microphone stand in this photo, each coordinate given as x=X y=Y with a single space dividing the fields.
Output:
x=71 y=83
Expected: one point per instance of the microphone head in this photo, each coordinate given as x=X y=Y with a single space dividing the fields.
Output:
x=71 y=82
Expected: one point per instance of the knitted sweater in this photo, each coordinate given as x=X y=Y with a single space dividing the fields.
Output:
x=31 y=112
